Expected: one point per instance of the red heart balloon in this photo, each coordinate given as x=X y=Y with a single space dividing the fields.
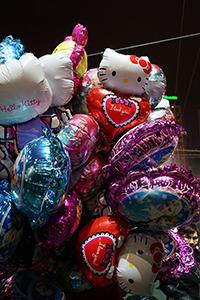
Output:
x=115 y=114
x=96 y=247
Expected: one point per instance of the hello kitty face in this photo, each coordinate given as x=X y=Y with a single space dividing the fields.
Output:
x=126 y=75
x=139 y=261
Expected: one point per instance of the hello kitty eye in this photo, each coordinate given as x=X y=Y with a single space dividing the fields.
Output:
x=140 y=251
x=114 y=73
x=139 y=79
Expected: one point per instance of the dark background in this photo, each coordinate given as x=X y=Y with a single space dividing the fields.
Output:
x=42 y=24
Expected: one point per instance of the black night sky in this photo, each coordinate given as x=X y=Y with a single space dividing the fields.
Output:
x=42 y=24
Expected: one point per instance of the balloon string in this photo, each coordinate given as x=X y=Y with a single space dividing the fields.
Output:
x=150 y=43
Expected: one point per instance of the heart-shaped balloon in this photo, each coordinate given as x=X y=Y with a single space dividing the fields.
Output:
x=97 y=245
x=114 y=114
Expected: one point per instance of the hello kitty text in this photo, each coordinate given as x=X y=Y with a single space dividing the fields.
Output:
x=13 y=106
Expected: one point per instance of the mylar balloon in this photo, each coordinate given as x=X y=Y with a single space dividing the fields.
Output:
x=61 y=224
x=41 y=177
x=179 y=262
x=59 y=73
x=125 y=75
x=10 y=48
x=162 y=112
x=30 y=284
x=139 y=261
x=157 y=199
x=156 y=86
x=148 y=145
x=96 y=246
x=79 y=136
x=28 y=253
x=115 y=115
x=74 y=47
x=88 y=82
x=11 y=223
x=88 y=179
x=24 y=90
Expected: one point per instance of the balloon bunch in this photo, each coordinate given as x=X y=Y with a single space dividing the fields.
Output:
x=86 y=204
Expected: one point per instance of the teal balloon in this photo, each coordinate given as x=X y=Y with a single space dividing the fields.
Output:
x=41 y=178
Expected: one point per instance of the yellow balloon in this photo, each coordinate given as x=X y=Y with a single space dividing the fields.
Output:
x=68 y=47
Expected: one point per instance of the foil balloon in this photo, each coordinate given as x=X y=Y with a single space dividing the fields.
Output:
x=11 y=223
x=65 y=269
x=125 y=75
x=79 y=136
x=41 y=176
x=179 y=262
x=59 y=74
x=156 y=87
x=115 y=115
x=89 y=81
x=24 y=90
x=74 y=47
x=148 y=145
x=157 y=199
x=139 y=261
x=10 y=48
x=162 y=112
x=30 y=284
x=62 y=224
x=6 y=162
x=88 y=179
x=99 y=205
x=27 y=253
x=97 y=246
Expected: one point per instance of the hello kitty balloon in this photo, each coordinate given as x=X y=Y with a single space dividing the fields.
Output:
x=139 y=261
x=124 y=74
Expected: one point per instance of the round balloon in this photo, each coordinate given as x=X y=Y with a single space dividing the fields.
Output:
x=148 y=145
x=139 y=261
x=156 y=86
x=115 y=115
x=88 y=179
x=79 y=136
x=30 y=284
x=61 y=224
x=125 y=75
x=11 y=223
x=27 y=253
x=59 y=74
x=41 y=176
x=24 y=90
x=162 y=112
x=97 y=246
x=157 y=199
x=87 y=83
x=10 y=48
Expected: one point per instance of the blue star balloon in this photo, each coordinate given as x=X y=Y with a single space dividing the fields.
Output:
x=41 y=178
x=10 y=48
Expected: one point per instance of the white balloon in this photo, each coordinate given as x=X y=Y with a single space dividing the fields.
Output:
x=124 y=74
x=24 y=91
x=59 y=73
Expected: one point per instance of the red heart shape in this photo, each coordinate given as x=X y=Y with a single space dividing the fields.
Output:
x=97 y=246
x=115 y=114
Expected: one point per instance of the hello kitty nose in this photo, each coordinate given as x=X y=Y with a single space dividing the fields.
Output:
x=125 y=80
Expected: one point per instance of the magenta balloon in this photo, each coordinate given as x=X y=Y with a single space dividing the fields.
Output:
x=61 y=225
x=157 y=199
x=148 y=145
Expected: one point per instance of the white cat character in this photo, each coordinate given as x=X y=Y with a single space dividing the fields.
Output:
x=126 y=75
x=139 y=261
